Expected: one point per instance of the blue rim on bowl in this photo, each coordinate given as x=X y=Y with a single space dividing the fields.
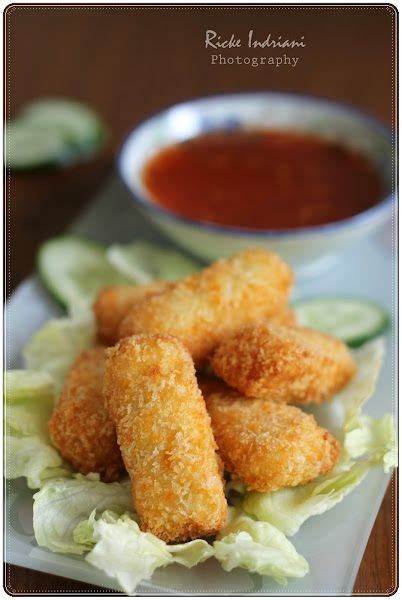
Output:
x=378 y=210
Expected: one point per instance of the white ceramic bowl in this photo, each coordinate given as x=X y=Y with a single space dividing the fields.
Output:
x=310 y=249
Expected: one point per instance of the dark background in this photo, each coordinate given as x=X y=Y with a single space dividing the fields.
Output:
x=129 y=62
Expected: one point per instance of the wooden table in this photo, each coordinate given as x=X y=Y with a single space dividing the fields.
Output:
x=129 y=62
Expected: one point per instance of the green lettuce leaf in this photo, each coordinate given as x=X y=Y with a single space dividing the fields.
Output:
x=126 y=553
x=369 y=359
x=54 y=347
x=142 y=262
x=83 y=532
x=191 y=553
x=25 y=386
x=288 y=508
x=365 y=436
x=29 y=399
x=32 y=458
x=260 y=548
x=372 y=437
x=62 y=504
x=130 y=555
x=31 y=394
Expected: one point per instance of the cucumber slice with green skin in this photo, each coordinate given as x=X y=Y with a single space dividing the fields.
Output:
x=78 y=124
x=353 y=320
x=142 y=262
x=51 y=132
x=74 y=269
x=28 y=147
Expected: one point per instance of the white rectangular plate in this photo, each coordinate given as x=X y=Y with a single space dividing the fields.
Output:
x=333 y=543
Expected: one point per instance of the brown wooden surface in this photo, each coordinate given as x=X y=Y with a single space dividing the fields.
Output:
x=129 y=62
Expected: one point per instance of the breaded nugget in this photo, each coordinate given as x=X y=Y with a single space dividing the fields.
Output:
x=165 y=437
x=267 y=445
x=80 y=426
x=286 y=317
x=296 y=365
x=203 y=308
x=115 y=301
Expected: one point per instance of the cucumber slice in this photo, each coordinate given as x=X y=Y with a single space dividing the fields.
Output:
x=74 y=269
x=53 y=131
x=143 y=262
x=28 y=147
x=79 y=125
x=353 y=320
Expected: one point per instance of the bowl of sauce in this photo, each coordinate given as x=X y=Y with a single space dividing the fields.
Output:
x=301 y=176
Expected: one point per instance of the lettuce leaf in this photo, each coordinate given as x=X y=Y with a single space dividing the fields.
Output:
x=31 y=394
x=260 y=548
x=32 y=458
x=142 y=262
x=83 y=532
x=369 y=359
x=372 y=437
x=363 y=435
x=288 y=508
x=54 y=347
x=62 y=504
x=128 y=554
x=29 y=399
x=191 y=553
x=26 y=386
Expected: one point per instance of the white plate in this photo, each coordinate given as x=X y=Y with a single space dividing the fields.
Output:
x=333 y=543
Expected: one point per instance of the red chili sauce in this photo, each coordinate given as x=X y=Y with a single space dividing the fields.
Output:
x=262 y=180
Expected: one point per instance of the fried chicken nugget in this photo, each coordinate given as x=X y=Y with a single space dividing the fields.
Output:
x=114 y=302
x=80 y=426
x=286 y=316
x=296 y=365
x=165 y=437
x=267 y=445
x=203 y=308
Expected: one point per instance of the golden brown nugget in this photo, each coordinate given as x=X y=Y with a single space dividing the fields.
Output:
x=114 y=302
x=80 y=426
x=203 y=308
x=295 y=365
x=267 y=445
x=165 y=437
x=286 y=317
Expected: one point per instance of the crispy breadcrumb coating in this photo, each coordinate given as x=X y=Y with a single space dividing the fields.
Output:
x=267 y=445
x=165 y=437
x=295 y=365
x=114 y=302
x=80 y=426
x=203 y=308
x=286 y=317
